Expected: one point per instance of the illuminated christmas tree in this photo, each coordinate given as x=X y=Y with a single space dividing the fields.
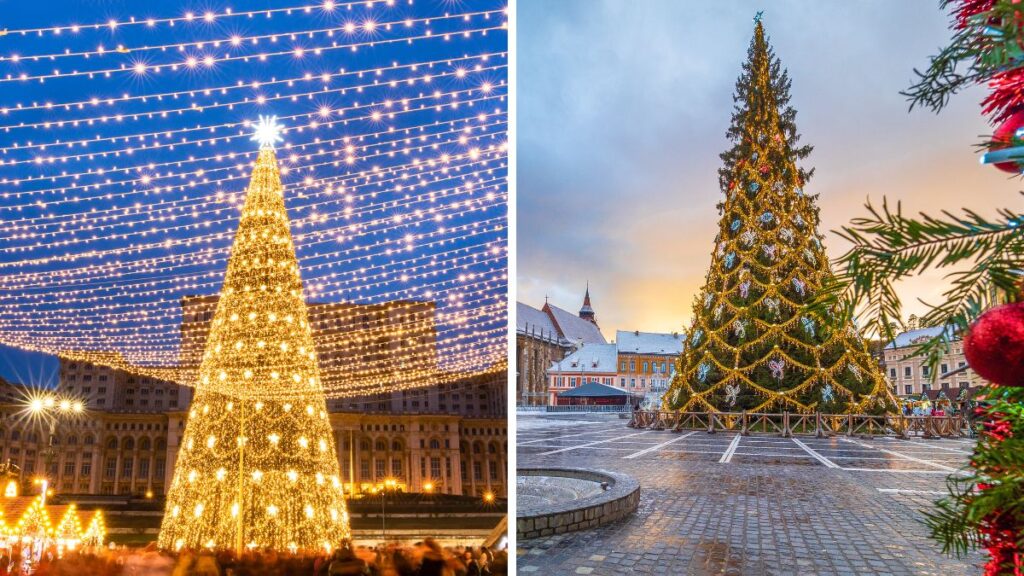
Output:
x=257 y=465
x=752 y=345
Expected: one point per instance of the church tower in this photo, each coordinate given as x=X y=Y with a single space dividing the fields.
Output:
x=586 y=312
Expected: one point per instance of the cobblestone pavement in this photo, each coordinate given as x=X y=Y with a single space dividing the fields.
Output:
x=730 y=504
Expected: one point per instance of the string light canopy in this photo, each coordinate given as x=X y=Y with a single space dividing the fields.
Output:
x=128 y=148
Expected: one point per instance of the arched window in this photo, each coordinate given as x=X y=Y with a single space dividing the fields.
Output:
x=128 y=444
x=492 y=448
x=381 y=446
x=364 y=445
x=144 y=444
x=112 y=444
x=72 y=440
x=396 y=446
x=90 y=440
x=161 y=444
x=15 y=435
x=435 y=444
x=478 y=448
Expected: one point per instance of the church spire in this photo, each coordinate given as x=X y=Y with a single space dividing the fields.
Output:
x=586 y=312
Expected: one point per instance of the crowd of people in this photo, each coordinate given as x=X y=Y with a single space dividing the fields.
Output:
x=425 y=558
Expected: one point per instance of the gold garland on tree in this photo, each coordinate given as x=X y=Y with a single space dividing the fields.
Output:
x=257 y=465
x=752 y=346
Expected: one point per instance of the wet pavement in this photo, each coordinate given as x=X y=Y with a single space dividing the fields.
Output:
x=730 y=504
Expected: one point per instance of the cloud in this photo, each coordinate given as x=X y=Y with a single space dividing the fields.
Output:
x=622 y=111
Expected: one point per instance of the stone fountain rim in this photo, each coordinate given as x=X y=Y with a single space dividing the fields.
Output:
x=621 y=486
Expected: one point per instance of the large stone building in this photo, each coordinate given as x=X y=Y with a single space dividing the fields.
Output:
x=447 y=438
x=647 y=360
x=545 y=336
x=910 y=376
x=640 y=363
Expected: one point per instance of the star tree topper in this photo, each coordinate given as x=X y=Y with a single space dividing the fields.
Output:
x=268 y=132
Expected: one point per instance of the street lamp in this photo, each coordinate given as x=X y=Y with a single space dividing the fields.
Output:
x=388 y=483
x=45 y=408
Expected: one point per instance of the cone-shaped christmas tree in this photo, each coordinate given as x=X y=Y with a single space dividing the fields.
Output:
x=751 y=345
x=257 y=464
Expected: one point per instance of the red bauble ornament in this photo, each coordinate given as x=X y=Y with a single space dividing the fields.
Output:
x=994 y=345
x=1005 y=136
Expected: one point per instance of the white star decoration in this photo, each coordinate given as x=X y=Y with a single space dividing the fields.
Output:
x=268 y=131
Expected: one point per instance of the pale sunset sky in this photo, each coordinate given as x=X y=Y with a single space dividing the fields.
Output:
x=622 y=112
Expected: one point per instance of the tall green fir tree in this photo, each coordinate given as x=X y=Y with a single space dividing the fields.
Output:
x=752 y=345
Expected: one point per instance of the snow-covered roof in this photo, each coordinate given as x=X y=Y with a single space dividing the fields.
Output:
x=576 y=329
x=649 y=342
x=531 y=321
x=589 y=358
x=911 y=337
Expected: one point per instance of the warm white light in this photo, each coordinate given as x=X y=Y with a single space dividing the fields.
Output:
x=268 y=132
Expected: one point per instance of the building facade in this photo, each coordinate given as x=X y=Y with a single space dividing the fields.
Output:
x=588 y=363
x=640 y=363
x=647 y=360
x=448 y=437
x=133 y=453
x=910 y=376
x=545 y=336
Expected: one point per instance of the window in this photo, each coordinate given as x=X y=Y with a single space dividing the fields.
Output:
x=926 y=387
x=69 y=468
x=944 y=368
x=892 y=373
x=143 y=467
x=435 y=467
x=381 y=468
x=126 y=467
x=926 y=371
x=86 y=469
x=632 y=365
x=493 y=466
x=964 y=385
x=622 y=382
x=110 y=469
x=908 y=389
x=961 y=364
x=572 y=382
x=364 y=470
x=908 y=371
x=632 y=382
x=645 y=366
x=396 y=466
x=622 y=366
x=158 y=469
x=478 y=473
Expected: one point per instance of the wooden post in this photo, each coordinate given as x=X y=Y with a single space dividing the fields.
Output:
x=849 y=424
x=786 y=432
x=817 y=426
x=746 y=425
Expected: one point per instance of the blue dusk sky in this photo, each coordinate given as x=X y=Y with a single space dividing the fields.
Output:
x=394 y=149
x=622 y=108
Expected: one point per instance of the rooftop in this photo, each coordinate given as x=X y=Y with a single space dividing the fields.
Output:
x=911 y=337
x=589 y=358
x=650 y=342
